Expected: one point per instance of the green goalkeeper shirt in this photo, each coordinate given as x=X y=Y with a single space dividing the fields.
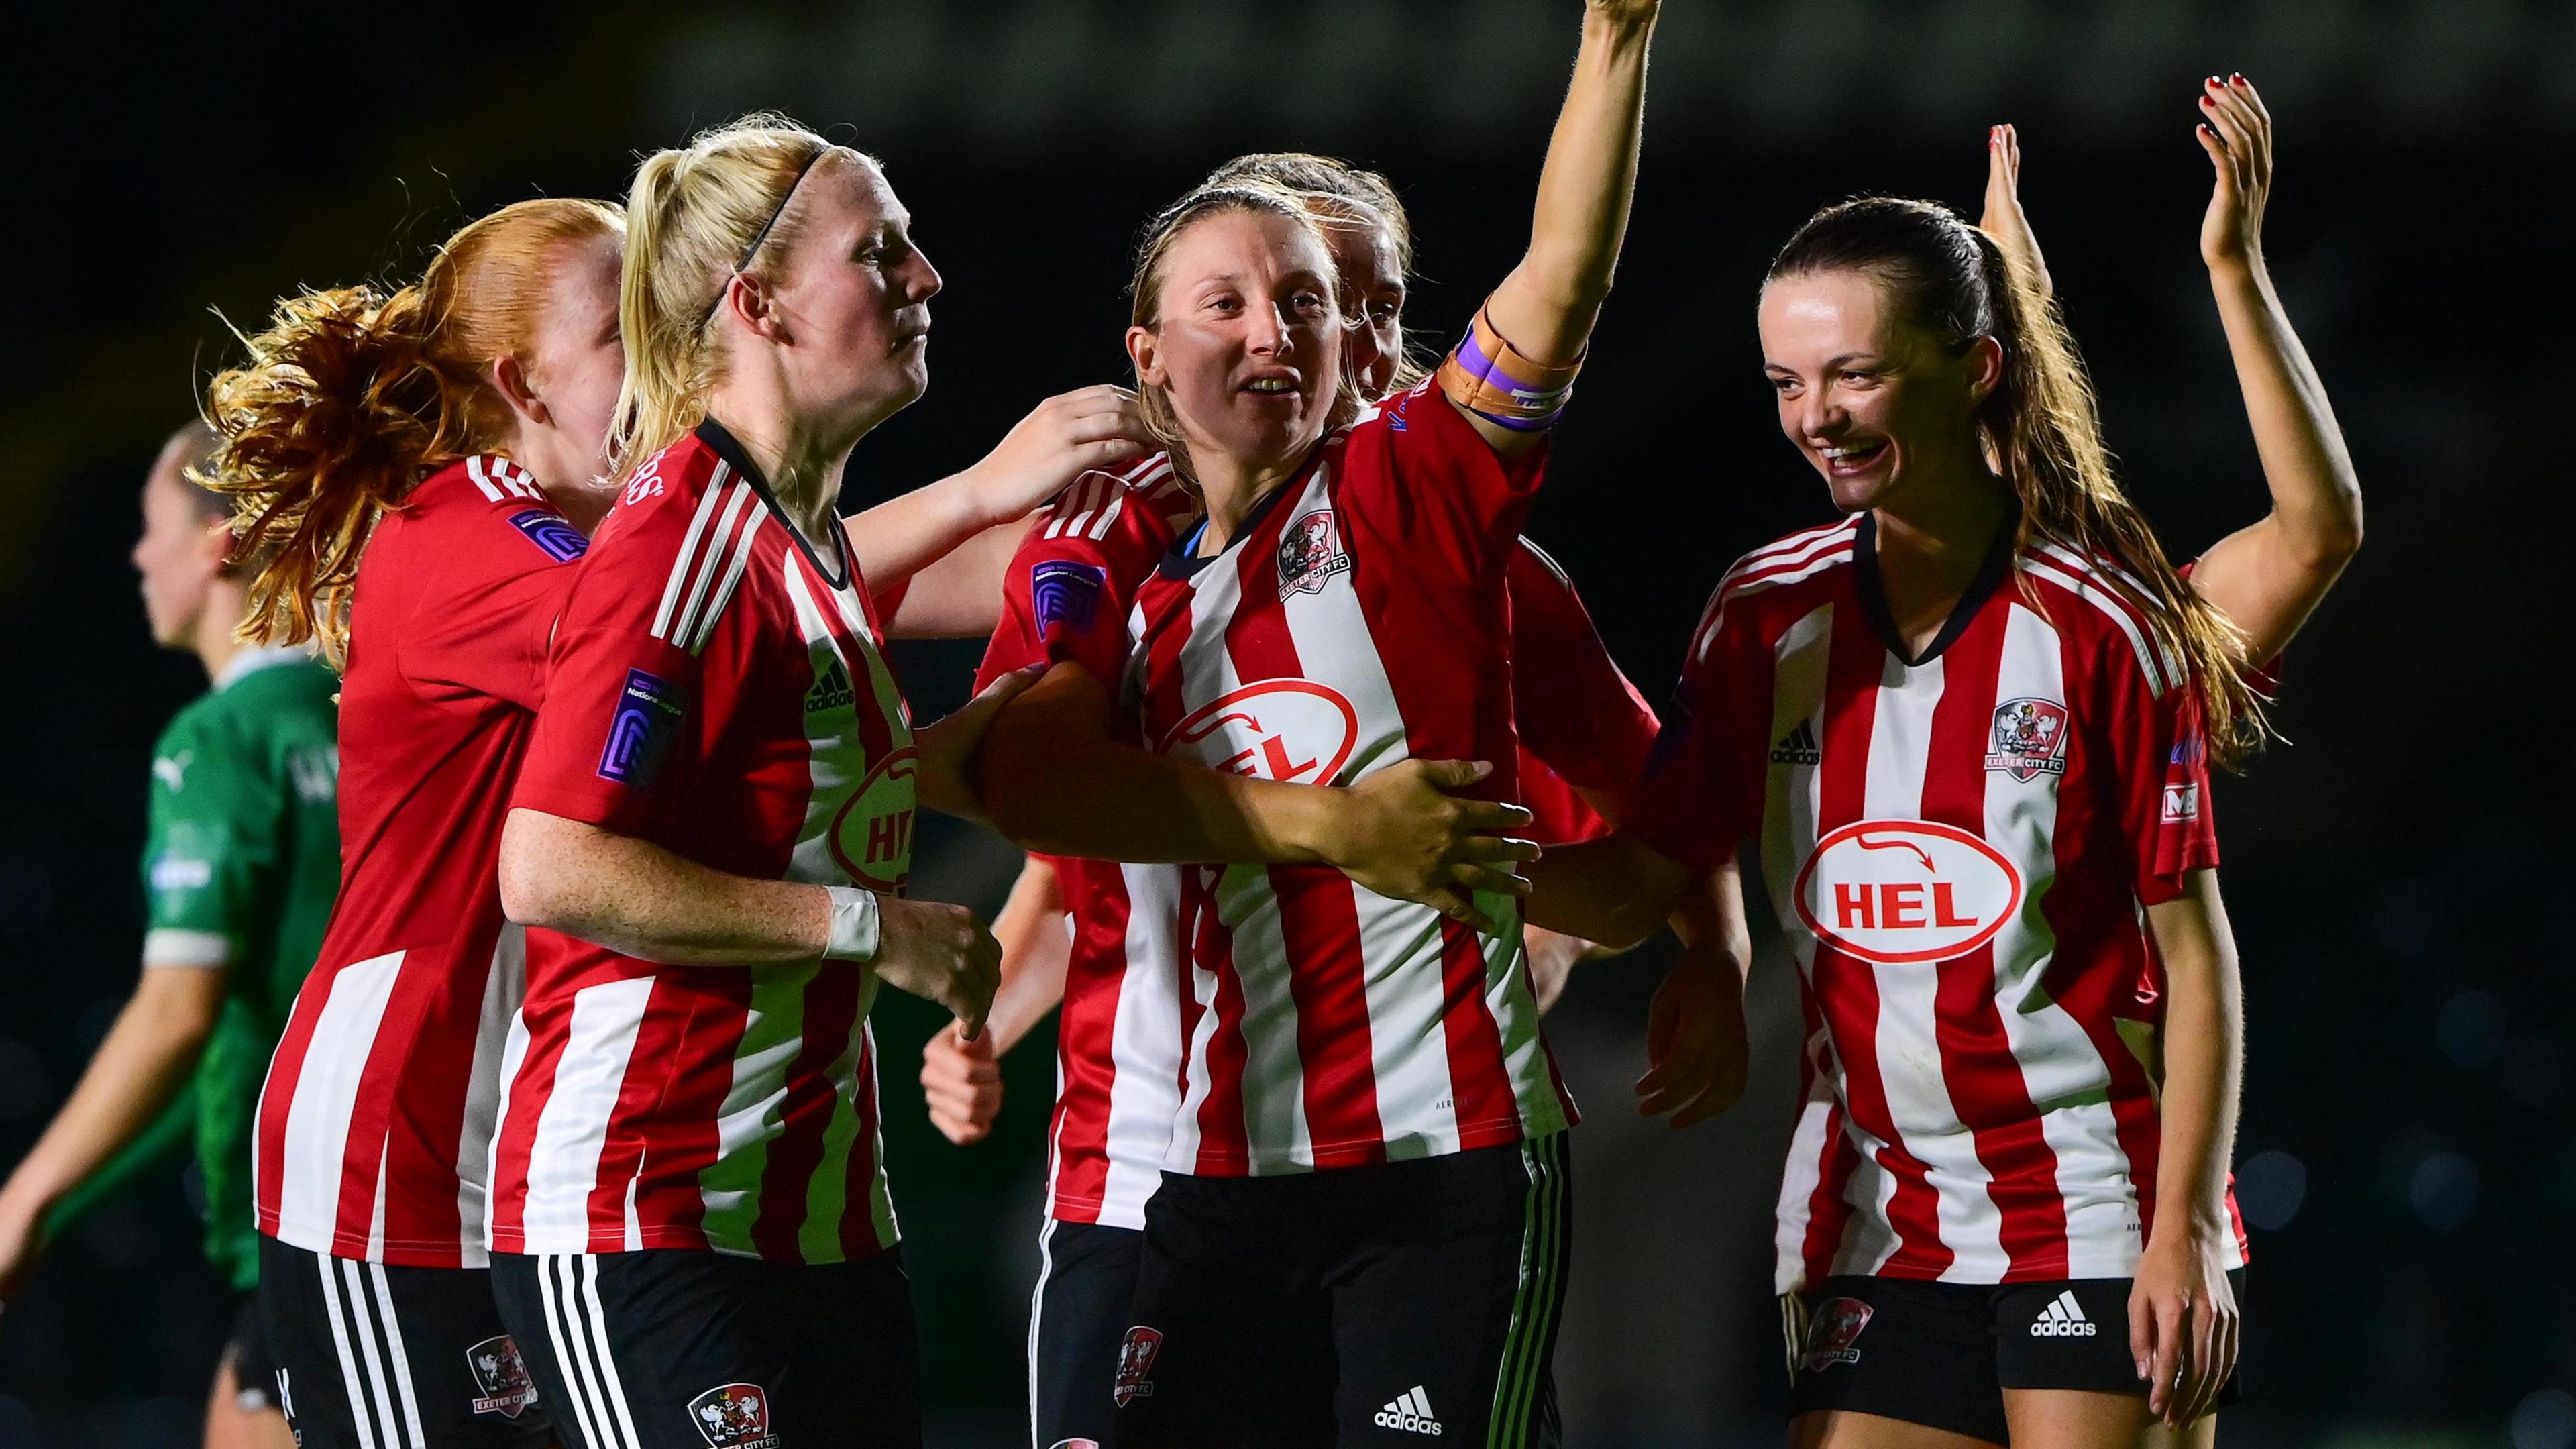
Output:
x=239 y=869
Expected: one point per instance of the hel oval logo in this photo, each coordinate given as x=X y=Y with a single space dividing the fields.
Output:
x=1894 y=891
x=1278 y=729
x=872 y=834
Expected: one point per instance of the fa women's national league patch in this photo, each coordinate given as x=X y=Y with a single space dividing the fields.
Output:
x=639 y=734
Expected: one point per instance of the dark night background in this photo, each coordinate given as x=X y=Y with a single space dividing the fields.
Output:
x=2397 y=876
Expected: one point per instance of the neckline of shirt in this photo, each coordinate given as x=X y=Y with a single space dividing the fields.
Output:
x=1183 y=560
x=727 y=447
x=1873 y=593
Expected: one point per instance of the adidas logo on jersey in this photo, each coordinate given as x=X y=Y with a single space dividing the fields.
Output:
x=2063 y=1318
x=832 y=689
x=1798 y=746
x=1411 y=1413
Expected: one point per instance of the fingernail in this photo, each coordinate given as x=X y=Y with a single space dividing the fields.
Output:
x=2237 y=79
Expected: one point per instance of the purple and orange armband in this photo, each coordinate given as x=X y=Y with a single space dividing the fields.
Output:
x=1496 y=381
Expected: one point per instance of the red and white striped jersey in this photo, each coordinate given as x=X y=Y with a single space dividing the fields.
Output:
x=717 y=690
x=1357 y=618
x=376 y=1119
x=1583 y=726
x=1960 y=850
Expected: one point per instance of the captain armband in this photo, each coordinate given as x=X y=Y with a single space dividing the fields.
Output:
x=1489 y=377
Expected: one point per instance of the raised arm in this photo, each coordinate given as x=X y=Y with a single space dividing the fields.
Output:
x=1539 y=320
x=2270 y=576
x=1054 y=780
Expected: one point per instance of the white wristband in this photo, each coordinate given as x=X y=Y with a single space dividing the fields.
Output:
x=854 y=924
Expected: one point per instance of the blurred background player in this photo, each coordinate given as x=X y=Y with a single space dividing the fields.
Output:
x=423 y=465
x=239 y=866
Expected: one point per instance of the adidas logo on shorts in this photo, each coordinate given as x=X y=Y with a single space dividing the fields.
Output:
x=2063 y=1319
x=1412 y=1414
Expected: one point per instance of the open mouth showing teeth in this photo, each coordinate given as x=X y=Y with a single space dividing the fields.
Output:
x=1853 y=455
x=1270 y=385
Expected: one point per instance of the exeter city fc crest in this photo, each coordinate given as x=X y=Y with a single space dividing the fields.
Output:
x=1832 y=1331
x=1310 y=552
x=1136 y=1365
x=734 y=1416
x=501 y=1380
x=2029 y=739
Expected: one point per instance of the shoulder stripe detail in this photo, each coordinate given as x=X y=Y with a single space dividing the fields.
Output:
x=1075 y=503
x=2112 y=608
x=1797 y=542
x=705 y=626
x=686 y=561
x=2077 y=564
x=474 y=470
x=1746 y=580
x=500 y=479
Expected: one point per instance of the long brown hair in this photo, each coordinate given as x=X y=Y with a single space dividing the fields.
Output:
x=353 y=395
x=1146 y=291
x=2040 y=427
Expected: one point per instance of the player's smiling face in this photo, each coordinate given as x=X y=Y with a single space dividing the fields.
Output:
x=1866 y=395
x=1247 y=343
x=853 y=297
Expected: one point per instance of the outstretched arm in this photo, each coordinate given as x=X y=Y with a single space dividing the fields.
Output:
x=1544 y=310
x=140 y=1067
x=2269 y=577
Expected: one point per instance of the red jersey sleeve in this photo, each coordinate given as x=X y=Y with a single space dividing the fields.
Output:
x=1066 y=593
x=1418 y=473
x=644 y=673
x=1576 y=711
x=2159 y=770
x=483 y=613
x=1702 y=788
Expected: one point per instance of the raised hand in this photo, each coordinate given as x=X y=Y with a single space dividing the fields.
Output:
x=1402 y=833
x=1060 y=440
x=940 y=953
x=2003 y=218
x=2236 y=131
x=962 y=1081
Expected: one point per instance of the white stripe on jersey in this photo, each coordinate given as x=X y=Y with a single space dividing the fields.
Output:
x=326 y=1097
x=503 y=990
x=2151 y=660
x=572 y=1127
x=684 y=565
x=1908 y=1036
x=819 y=1236
x=704 y=626
x=773 y=1032
x=1808 y=1163
x=2060 y=1068
x=1144 y=1048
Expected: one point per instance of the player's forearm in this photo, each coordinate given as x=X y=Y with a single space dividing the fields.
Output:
x=1069 y=794
x=2203 y=1039
x=2315 y=494
x=959 y=594
x=1547 y=305
x=635 y=897
x=141 y=1066
x=1613 y=890
x=1710 y=922
x=904 y=535
x=1036 y=951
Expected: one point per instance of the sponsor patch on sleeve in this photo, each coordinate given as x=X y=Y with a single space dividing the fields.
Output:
x=1065 y=592
x=2182 y=803
x=548 y=531
x=639 y=734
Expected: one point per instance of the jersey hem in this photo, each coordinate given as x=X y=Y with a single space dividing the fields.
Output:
x=521 y=1245
x=356 y=1248
x=1364 y=1152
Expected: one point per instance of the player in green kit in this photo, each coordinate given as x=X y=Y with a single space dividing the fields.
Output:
x=238 y=871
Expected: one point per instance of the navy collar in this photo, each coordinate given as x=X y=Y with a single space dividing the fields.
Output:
x=726 y=446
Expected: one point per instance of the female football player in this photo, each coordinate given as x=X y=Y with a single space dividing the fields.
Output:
x=387 y=451
x=1970 y=725
x=1362 y=1218
x=713 y=827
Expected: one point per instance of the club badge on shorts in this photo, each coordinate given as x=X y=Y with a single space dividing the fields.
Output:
x=1832 y=1331
x=501 y=1377
x=734 y=1416
x=1136 y=1365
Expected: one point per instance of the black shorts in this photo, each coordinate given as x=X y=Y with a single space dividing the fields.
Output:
x=246 y=1354
x=371 y=1356
x=675 y=1348
x=1388 y=1304
x=1077 y=1318
x=1942 y=1354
